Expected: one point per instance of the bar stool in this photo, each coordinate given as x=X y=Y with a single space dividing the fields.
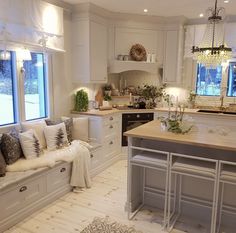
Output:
x=151 y=159
x=227 y=176
x=198 y=167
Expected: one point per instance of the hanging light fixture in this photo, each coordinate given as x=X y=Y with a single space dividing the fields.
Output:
x=213 y=51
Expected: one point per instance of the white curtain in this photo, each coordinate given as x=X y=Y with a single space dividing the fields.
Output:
x=28 y=21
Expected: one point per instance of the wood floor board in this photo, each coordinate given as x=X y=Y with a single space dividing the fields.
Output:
x=74 y=211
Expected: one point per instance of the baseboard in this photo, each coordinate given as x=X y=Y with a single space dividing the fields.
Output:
x=105 y=165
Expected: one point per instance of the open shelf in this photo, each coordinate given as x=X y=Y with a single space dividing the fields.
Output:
x=116 y=66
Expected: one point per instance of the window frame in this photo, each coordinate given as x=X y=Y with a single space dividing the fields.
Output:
x=18 y=91
x=196 y=80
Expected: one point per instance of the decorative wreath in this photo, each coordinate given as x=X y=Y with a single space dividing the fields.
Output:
x=138 y=53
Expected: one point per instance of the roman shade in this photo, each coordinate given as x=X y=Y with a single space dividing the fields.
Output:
x=32 y=23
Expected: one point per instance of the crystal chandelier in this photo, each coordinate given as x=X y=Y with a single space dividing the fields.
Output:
x=213 y=51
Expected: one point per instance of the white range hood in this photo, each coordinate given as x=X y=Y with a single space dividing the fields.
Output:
x=116 y=66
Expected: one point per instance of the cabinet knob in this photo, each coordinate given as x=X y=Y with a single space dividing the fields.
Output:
x=63 y=169
x=91 y=156
x=22 y=189
x=111 y=143
x=111 y=127
x=111 y=118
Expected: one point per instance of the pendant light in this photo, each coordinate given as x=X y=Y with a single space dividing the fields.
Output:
x=213 y=51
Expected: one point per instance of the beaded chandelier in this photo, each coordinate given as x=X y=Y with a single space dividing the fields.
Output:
x=212 y=50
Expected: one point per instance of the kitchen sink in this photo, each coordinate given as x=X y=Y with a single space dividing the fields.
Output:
x=216 y=111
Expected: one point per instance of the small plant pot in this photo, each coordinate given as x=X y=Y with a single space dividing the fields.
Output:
x=105 y=103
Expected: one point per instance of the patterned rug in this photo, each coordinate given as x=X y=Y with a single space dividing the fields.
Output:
x=105 y=225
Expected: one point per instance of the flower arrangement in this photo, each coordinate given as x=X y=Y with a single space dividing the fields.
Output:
x=174 y=122
x=151 y=94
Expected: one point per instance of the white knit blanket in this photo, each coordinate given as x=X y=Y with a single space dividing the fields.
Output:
x=77 y=153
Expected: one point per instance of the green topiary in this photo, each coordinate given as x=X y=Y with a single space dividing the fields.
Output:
x=81 y=101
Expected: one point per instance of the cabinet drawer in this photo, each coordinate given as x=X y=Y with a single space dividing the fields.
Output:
x=19 y=197
x=110 y=119
x=58 y=177
x=96 y=158
x=111 y=146
x=111 y=129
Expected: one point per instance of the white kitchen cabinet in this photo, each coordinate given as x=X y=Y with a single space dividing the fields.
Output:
x=104 y=131
x=173 y=56
x=89 y=51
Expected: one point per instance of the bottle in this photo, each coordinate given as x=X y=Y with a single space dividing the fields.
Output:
x=153 y=58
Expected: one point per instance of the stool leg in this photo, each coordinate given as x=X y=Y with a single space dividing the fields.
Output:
x=214 y=208
x=166 y=199
x=169 y=195
x=221 y=206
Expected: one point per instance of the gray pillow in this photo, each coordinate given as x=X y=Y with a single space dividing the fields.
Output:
x=68 y=124
x=2 y=165
x=10 y=147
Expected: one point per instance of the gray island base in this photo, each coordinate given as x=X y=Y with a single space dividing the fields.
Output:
x=189 y=178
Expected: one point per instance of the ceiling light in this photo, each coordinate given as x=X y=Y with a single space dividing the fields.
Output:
x=212 y=49
x=226 y=1
x=201 y=15
x=145 y=10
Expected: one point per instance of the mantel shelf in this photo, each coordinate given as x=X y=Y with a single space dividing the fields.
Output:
x=116 y=66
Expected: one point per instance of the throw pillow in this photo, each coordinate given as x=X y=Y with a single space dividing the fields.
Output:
x=38 y=127
x=2 y=165
x=30 y=144
x=81 y=129
x=68 y=123
x=56 y=136
x=10 y=147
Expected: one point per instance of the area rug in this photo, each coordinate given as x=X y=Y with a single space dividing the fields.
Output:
x=105 y=225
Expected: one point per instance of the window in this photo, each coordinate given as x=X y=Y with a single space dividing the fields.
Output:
x=208 y=80
x=7 y=115
x=34 y=87
x=29 y=100
x=231 y=90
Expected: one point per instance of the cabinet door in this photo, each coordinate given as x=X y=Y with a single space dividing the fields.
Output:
x=98 y=52
x=171 y=57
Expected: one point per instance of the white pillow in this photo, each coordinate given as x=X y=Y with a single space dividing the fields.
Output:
x=56 y=136
x=38 y=127
x=30 y=144
x=80 y=130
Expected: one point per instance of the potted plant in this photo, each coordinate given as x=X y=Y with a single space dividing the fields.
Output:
x=107 y=89
x=81 y=101
x=152 y=94
x=175 y=122
x=106 y=100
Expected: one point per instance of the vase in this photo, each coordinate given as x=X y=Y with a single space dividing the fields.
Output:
x=105 y=103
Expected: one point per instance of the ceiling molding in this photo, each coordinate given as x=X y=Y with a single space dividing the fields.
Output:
x=94 y=9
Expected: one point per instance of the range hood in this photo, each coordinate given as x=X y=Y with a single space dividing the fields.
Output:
x=116 y=66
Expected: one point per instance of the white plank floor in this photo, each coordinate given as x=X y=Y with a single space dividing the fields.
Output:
x=107 y=197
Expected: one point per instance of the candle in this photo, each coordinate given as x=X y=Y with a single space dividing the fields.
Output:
x=130 y=98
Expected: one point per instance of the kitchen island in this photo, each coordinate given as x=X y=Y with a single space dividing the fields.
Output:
x=199 y=197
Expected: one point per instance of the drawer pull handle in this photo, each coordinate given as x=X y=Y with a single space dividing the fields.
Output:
x=63 y=169
x=111 y=118
x=111 y=143
x=22 y=189
x=91 y=156
x=111 y=127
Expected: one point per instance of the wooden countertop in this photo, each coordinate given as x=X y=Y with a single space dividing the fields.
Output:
x=96 y=112
x=198 y=136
